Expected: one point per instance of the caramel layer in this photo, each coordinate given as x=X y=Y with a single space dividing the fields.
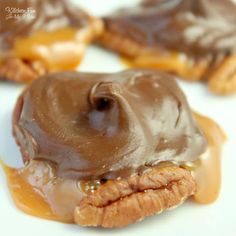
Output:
x=25 y=197
x=61 y=49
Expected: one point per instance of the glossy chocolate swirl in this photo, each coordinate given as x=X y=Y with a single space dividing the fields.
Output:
x=194 y=27
x=107 y=125
x=23 y=17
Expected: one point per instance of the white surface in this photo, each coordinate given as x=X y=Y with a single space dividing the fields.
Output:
x=189 y=219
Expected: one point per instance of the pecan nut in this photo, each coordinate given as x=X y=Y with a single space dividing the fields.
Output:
x=223 y=79
x=121 y=202
x=17 y=70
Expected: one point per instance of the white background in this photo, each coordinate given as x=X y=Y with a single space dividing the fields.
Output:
x=192 y=219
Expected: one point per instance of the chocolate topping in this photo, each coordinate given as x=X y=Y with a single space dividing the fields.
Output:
x=194 y=27
x=107 y=125
x=23 y=17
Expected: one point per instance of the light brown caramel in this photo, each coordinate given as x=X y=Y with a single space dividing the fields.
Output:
x=25 y=197
x=61 y=49
x=37 y=191
x=177 y=63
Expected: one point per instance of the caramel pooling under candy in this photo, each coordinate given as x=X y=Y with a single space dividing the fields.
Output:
x=25 y=197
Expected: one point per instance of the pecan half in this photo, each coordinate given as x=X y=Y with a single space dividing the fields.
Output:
x=223 y=79
x=121 y=202
x=17 y=70
x=120 y=44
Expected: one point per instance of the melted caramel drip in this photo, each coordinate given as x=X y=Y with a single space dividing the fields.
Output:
x=25 y=197
x=61 y=49
x=206 y=171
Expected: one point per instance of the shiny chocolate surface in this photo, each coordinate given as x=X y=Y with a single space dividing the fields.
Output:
x=95 y=126
x=193 y=27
